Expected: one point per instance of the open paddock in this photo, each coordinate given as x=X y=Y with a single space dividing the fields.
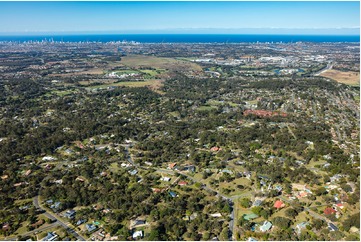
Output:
x=346 y=77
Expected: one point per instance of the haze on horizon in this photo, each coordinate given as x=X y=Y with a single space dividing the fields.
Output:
x=333 y=18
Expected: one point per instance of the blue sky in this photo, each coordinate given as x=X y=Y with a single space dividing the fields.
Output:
x=159 y=17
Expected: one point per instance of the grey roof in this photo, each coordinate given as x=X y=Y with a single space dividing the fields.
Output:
x=332 y=226
x=266 y=226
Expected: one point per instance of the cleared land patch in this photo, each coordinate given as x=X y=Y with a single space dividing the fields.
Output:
x=345 y=77
x=138 y=61
x=154 y=85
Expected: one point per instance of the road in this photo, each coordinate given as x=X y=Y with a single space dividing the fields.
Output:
x=311 y=212
x=328 y=67
x=55 y=217
x=32 y=232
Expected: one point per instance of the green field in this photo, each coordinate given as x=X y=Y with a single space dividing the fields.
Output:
x=136 y=61
x=151 y=83
x=206 y=108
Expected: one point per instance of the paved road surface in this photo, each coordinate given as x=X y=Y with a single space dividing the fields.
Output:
x=328 y=67
x=51 y=216
x=32 y=232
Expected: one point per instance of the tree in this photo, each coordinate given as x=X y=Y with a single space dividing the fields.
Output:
x=224 y=236
x=353 y=220
x=265 y=213
x=246 y=203
x=320 y=191
x=154 y=235
x=257 y=210
x=290 y=212
x=282 y=222
x=318 y=223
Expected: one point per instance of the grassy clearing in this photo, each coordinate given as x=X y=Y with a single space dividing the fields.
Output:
x=89 y=82
x=206 y=108
x=23 y=201
x=174 y=114
x=120 y=72
x=23 y=229
x=346 y=77
x=136 y=61
x=152 y=84
x=114 y=167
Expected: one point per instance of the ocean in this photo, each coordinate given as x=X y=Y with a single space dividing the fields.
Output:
x=186 y=38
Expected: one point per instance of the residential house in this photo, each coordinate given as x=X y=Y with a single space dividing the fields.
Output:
x=257 y=202
x=182 y=183
x=336 y=178
x=278 y=204
x=70 y=214
x=172 y=166
x=166 y=179
x=216 y=215
x=56 y=206
x=264 y=177
x=329 y=211
x=339 y=206
x=137 y=223
x=193 y=216
x=301 y=226
x=189 y=168
x=133 y=172
x=137 y=234
x=50 y=237
x=266 y=226
x=90 y=227
x=215 y=149
x=172 y=194
x=99 y=236
x=278 y=188
x=226 y=171
x=250 y=216
x=80 y=221
x=332 y=227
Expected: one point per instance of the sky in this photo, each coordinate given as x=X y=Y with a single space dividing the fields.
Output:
x=180 y=17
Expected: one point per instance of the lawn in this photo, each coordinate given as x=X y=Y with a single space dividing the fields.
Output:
x=22 y=229
x=346 y=77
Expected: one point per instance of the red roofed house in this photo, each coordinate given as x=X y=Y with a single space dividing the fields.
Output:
x=172 y=165
x=215 y=148
x=329 y=211
x=182 y=183
x=279 y=204
x=156 y=190
x=339 y=206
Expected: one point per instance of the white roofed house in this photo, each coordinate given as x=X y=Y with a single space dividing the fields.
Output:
x=137 y=234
